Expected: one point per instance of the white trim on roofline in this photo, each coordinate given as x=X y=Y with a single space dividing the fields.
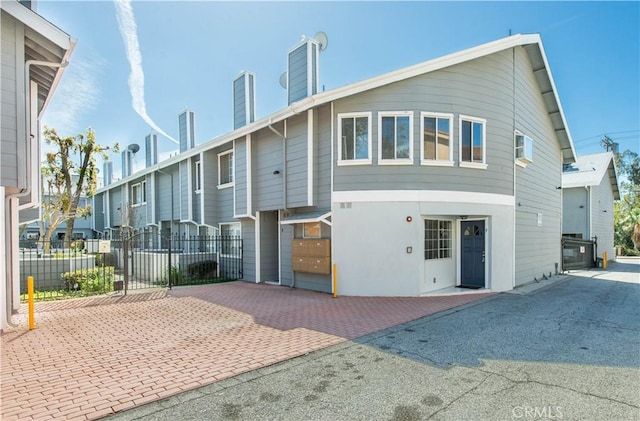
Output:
x=39 y=24
x=375 y=82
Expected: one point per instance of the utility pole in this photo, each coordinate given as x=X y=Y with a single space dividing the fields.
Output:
x=609 y=145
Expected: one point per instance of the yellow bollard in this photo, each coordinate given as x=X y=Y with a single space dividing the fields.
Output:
x=605 y=259
x=335 y=281
x=32 y=322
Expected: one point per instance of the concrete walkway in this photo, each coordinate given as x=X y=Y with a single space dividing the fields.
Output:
x=89 y=358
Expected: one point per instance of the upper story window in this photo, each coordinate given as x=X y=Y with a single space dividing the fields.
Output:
x=524 y=149
x=436 y=147
x=395 y=138
x=138 y=193
x=197 y=180
x=225 y=169
x=354 y=138
x=472 y=142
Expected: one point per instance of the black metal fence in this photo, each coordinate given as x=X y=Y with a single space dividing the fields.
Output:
x=144 y=259
x=578 y=254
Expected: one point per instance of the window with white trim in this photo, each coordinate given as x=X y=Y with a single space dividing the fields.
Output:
x=197 y=183
x=395 y=137
x=524 y=149
x=225 y=169
x=436 y=147
x=437 y=239
x=354 y=138
x=138 y=193
x=472 y=142
x=230 y=235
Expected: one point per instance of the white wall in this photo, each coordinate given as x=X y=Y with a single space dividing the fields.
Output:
x=371 y=235
x=575 y=211
x=602 y=217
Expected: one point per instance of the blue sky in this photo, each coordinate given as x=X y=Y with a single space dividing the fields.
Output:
x=190 y=52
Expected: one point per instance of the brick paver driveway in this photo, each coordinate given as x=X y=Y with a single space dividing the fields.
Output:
x=93 y=357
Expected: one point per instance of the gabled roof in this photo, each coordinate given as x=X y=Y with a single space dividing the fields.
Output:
x=531 y=42
x=589 y=170
x=43 y=42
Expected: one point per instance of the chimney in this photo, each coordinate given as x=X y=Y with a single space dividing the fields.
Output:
x=127 y=161
x=302 y=70
x=107 y=170
x=244 y=100
x=187 y=128
x=151 y=149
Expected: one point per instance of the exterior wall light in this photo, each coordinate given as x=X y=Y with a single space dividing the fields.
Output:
x=409 y=219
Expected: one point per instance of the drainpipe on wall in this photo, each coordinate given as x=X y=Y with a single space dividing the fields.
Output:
x=29 y=158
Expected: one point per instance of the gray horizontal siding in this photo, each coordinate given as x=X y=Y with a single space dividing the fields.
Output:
x=537 y=247
x=8 y=101
x=481 y=88
x=184 y=190
x=322 y=158
x=239 y=103
x=297 y=161
x=248 y=250
x=209 y=189
x=298 y=74
x=164 y=197
x=267 y=158
x=224 y=205
x=240 y=182
x=116 y=204
x=98 y=212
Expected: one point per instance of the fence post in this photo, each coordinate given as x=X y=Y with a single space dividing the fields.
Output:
x=32 y=322
x=170 y=269
x=125 y=253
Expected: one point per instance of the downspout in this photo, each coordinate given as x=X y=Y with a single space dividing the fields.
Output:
x=515 y=166
x=30 y=141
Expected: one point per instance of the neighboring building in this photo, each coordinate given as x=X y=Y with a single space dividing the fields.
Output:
x=34 y=53
x=441 y=174
x=589 y=187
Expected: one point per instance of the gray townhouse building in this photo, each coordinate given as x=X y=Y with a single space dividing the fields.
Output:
x=444 y=174
x=34 y=54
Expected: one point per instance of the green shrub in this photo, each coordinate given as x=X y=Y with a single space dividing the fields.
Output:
x=89 y=280
x=176 y=274
x=105 y=259
x=203 y=270
x=77 y=245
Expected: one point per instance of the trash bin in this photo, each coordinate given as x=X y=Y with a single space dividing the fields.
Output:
x=598 y=262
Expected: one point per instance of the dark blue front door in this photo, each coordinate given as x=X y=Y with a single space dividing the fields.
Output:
x=473 y=254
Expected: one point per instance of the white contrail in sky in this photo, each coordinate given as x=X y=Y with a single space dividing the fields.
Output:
x=129 y=32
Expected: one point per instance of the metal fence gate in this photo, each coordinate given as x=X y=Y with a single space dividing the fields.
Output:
x=154 y=259
x=136 y=260
x=578 y=254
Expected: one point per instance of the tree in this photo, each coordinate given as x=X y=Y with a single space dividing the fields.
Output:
x=627 y=209
x=66 y=180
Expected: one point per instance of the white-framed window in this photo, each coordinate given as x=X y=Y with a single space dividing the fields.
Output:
x=225 y=169
x=197 y=179
x=395 y=138
x=230 y=239
x=138 y=193
x=472 y=133
x=354 y=138
x=311 y=230
x=524 y=149
x=437 y=239
x=436 y=146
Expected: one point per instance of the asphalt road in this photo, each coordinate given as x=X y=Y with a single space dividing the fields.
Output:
x=569 y=351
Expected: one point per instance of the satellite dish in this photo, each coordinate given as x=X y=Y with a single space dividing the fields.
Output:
x=283 y=80
x=322 y=39
x=134 y=148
